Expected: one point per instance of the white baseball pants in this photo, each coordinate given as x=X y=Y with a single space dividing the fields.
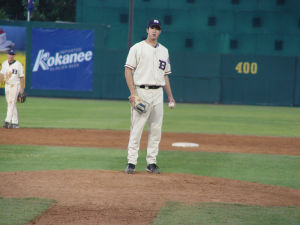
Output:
x=11 y=94
x=154 y=116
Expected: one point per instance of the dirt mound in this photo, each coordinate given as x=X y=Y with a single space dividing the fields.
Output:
x=113 y=197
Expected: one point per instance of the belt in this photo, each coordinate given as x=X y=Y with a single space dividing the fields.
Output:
x=149 y=86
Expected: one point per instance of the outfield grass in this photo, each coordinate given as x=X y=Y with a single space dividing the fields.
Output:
x=197 y=118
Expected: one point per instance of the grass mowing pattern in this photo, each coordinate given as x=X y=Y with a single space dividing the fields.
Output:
x=226 y=214
x=21 y=211
x=268 y=169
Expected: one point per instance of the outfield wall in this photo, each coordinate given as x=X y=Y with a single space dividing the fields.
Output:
x=197 y=77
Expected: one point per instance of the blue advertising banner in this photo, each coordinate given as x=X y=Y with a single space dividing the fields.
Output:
x=62 y=59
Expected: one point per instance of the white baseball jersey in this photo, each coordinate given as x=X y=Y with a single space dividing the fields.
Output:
x=149 y=63
x=15 y=68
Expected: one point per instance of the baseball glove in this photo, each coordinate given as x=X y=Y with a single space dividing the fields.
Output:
x=139 y=104
x=22 y=97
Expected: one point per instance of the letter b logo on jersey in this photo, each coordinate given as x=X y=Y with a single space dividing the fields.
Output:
x=162 y=65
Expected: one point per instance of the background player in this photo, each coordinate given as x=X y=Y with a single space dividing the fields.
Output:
x=13 y=73
x=146 y=71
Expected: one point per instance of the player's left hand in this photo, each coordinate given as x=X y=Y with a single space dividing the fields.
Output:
x=138 y=104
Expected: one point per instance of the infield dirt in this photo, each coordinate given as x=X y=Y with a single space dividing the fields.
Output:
x=113 y=197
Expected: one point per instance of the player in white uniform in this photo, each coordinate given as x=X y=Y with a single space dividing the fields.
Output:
x=13 y=73
x=146 y=71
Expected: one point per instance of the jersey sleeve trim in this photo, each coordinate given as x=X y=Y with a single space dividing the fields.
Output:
x=131 y=67
x=168 y=72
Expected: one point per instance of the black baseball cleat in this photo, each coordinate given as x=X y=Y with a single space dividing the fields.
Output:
x=130 y=168
x=152 y=168
x=13 y=125
x=6 y=125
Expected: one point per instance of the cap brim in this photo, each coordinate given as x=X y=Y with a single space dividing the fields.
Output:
x=156 y=26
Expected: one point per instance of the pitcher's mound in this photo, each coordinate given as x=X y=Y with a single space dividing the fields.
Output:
x=113 y=197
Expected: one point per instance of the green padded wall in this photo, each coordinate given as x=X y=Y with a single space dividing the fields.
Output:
x=196 y=78
x=212 y=25
x=297 y=84
x=259 y=80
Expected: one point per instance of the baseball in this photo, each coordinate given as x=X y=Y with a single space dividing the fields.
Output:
x=171 y=105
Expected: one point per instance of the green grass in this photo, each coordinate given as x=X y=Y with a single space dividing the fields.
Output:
x=21 y=211
x=235 y=119
x=21 y=158
x=226 y=214
x=196 y=118
x=73 y=113
x=268 y=169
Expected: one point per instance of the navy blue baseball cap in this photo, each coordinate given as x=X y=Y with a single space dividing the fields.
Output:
x=11 y=52
x=154 y=23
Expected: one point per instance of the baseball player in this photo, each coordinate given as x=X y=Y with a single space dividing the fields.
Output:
x=13 y=74
x=146 y=72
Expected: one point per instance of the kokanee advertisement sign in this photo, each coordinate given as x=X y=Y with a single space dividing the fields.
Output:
x=62 y=59
x=48 y=62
